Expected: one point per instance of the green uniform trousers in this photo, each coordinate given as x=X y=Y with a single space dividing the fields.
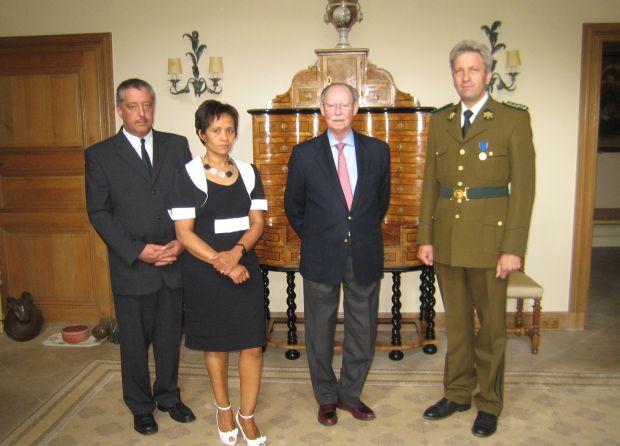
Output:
x=474 y=359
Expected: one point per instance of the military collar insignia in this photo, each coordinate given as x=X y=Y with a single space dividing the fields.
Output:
x=488 y=115
x=451 y=116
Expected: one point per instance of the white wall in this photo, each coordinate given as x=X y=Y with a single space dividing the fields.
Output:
x=264 y=43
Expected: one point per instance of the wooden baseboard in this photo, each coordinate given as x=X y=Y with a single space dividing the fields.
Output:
x=548 y=321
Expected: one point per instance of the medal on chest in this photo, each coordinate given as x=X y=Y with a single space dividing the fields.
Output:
x=484 y=147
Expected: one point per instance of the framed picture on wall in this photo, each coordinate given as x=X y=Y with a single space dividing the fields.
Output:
x=609 y=116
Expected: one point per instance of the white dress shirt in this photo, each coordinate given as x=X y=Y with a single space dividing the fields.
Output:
x=475 y=109
x=135 y=143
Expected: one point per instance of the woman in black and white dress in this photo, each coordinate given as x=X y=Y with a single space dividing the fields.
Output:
x=217 y=205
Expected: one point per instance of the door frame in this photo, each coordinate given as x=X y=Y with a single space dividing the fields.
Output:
x=593 y=37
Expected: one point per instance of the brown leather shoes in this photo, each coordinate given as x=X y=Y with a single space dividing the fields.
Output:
x=327 y=414
x=361 y=412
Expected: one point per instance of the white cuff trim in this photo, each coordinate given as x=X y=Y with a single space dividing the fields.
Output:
x=259 y=204
x=182 y=213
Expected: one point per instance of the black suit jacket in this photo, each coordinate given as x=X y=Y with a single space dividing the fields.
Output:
x=316 y=208
x=127 y=207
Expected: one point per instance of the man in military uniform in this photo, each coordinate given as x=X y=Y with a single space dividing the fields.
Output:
x=474 y=222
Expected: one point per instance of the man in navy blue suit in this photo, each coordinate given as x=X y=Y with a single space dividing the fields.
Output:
x=337 y=193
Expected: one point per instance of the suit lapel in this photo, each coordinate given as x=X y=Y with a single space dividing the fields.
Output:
x=126 y=151
x=362 y=166
x=454 y=124
x=481 y=124
x=325 y=160
x=159 y=154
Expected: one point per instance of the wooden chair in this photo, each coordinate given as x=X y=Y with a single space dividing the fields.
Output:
x=521 y=286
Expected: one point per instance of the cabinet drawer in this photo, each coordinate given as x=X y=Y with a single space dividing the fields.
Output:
x=279 y=125
x=407 y=146
x=395 y=125
x=268 y=169
x=408 y=168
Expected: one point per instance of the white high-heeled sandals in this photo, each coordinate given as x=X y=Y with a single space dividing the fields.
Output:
x=228 y=438
x=260 y=441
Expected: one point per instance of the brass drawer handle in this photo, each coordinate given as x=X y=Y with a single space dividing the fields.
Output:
x=284 y=127
x=400 y=210
x=284 y=148
x=285 y=169
x=400 y=189
x=399 y=147
x=398 y=169
x=400 y=126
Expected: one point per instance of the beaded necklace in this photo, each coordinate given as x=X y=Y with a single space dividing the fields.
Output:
x=220 y=173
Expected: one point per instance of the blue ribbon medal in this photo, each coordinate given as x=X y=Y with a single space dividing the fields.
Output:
x=484 y=145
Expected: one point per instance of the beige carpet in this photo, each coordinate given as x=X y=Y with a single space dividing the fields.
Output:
x=541 y=409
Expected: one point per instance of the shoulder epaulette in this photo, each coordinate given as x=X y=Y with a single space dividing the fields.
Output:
x=515 y=105
x=443 y=108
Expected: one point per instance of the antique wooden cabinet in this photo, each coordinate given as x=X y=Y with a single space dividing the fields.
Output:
x=385 y=113
x=276 y=132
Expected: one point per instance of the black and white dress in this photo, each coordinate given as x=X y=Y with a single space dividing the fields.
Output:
x=219 y=315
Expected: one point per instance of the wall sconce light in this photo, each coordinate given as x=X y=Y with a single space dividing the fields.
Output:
x=513 y=60
x=199 y=84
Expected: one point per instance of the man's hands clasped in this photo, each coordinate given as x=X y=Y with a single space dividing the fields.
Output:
x=161 y=255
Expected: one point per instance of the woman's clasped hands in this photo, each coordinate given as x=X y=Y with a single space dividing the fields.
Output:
x=227 y=263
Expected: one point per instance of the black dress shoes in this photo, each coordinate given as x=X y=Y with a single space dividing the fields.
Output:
x=179 y=412
x=443 y=409
x=485 y=424
x=145 y=424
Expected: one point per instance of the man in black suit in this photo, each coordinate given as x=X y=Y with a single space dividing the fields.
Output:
x=337 y=193
x=127 y=179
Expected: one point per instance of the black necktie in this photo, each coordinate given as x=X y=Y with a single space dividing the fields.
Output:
x=145 y=156
x=466 y=122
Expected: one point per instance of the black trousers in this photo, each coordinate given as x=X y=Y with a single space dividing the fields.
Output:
x=144 y=320
x=360 y=332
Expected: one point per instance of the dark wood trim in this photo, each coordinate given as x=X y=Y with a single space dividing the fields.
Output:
x=311 y=111
x=606 y=215
x=594 y=34
x=550 y=320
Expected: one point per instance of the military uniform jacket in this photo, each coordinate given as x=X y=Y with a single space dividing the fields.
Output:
x=473 y=233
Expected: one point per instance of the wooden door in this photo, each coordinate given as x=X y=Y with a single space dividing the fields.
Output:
x=56 y=98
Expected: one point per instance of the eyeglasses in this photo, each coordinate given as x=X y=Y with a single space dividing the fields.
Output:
x=343 y=107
